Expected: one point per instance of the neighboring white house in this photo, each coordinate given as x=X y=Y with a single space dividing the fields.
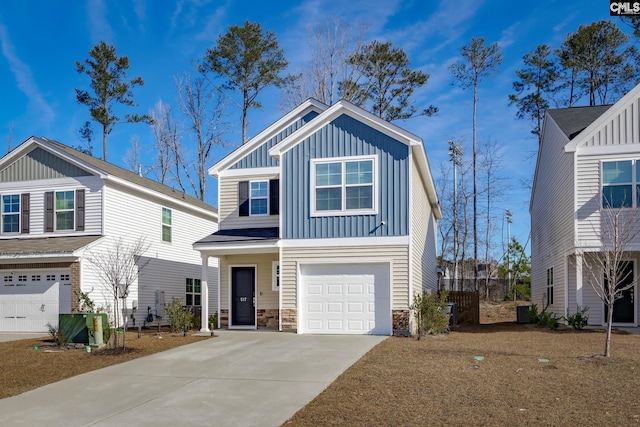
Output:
x=588 y=162
x=327 y=225
x=58 y=206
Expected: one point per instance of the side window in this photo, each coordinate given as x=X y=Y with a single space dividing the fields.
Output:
x=193 y=290
x=166 y=225
x=275 y=276
x=617 y=184
x=550 y=286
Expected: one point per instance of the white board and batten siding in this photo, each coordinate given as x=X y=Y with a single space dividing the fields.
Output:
x=228 y=204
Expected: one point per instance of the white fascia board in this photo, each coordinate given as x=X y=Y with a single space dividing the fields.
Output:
x=427 y=179
x=337 y=109
x=307 y=106
x=345 y=241
x=27 y=258
x=272 y=170
x=161 y=196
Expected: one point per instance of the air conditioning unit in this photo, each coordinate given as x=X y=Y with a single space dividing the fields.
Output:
x=522 y=314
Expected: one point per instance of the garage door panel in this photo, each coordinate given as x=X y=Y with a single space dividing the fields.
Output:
x=346 y=299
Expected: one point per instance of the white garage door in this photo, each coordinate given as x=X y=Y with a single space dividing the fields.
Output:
x=30 y=299
x=345 y=299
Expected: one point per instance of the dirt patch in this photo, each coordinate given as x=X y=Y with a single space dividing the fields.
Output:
x=24 y=368
x=497 y=373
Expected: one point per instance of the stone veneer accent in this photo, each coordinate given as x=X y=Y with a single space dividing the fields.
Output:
x=289 y=319
x=75 y=286
x=268 y=317
x=224 y=318
x=401 y=321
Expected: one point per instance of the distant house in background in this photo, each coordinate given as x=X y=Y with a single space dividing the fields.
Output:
x=327 y=225
x=57 y=205
x=588 y=162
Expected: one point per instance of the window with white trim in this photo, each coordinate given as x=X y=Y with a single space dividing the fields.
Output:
x=550 y=286
x=259 y=197
x=166 y=225
x=275 y=276
x=193 y=291
x=344 y=186
x=10 y=213
x=620 y=184
x=64 y=210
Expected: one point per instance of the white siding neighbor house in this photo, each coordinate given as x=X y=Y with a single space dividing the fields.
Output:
x=59 y=207
x=327 y=225
x=588 y=166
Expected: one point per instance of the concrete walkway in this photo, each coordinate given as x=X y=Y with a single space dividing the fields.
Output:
x=15 y=336
x=240 y=378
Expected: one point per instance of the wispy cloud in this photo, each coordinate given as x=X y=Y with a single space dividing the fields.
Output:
x=24 y=79
x=99 y=27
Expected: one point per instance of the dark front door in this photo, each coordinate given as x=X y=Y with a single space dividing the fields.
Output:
x=243 y=311
x=624 y=307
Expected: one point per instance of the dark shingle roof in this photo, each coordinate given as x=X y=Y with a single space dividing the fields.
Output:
x=119 y=172
x=45 y=245
x=241 y=235
x=574 y=120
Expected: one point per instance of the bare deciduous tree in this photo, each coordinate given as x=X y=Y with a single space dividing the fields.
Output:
x=165 y=131
x=118 y=268
x=606 y=266
x=204 y=108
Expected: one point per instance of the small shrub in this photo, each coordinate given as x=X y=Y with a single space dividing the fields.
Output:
x=543 y=318
x=578 y=320
x=213 y=320
x=430 y=313
x=85 y=303
x=179 y=317
x=533 y=314
x=57 y=335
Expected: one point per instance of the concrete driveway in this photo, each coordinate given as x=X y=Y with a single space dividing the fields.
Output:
x=15 y=336
x=240 y=378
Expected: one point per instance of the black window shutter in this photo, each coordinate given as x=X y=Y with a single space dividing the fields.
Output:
x=24 y=213
x=79 y=210
x=48 y=211
x=274 y=196
x=243 y=198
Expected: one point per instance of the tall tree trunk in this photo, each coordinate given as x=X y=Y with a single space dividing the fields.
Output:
x=475 y=210
x=607 y=341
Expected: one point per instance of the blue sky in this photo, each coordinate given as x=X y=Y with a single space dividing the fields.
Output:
x=41 y=40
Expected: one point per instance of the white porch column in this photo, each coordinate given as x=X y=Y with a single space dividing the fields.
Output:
x=579 y=279
x=204 y=299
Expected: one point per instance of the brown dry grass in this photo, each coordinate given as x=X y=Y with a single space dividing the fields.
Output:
x=22 y=368
x=438 y=381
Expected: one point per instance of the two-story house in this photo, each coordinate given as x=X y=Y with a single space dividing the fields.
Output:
x=588 y=166
x=59 y=207
x=327 y=225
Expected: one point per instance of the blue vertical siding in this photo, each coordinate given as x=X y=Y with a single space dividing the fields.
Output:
x=343 y=137
x=260 y=158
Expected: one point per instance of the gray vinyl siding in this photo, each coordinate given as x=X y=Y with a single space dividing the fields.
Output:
x=260 y=158
x=344 y=137
x=40 y=164
x=552 y=217
x=424 y=275
x=397 y=254
x=228 y=212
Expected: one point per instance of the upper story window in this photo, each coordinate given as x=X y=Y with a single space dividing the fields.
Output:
x=65 y=210
x=259 y=198
x=344 y=186
x=166 y=224
x=618 y=184
x=10 y=213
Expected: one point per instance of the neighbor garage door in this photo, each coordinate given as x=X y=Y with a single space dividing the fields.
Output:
x=345 y=299
x=30 y=299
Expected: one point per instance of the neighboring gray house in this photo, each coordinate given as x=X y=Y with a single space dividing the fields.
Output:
x=58 y=205
x=327 y=225
x=588 y=161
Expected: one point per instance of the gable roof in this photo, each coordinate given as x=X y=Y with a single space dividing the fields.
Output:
x=107 y=171
x=344 y=107
x=253 y=143
x=574 y=120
